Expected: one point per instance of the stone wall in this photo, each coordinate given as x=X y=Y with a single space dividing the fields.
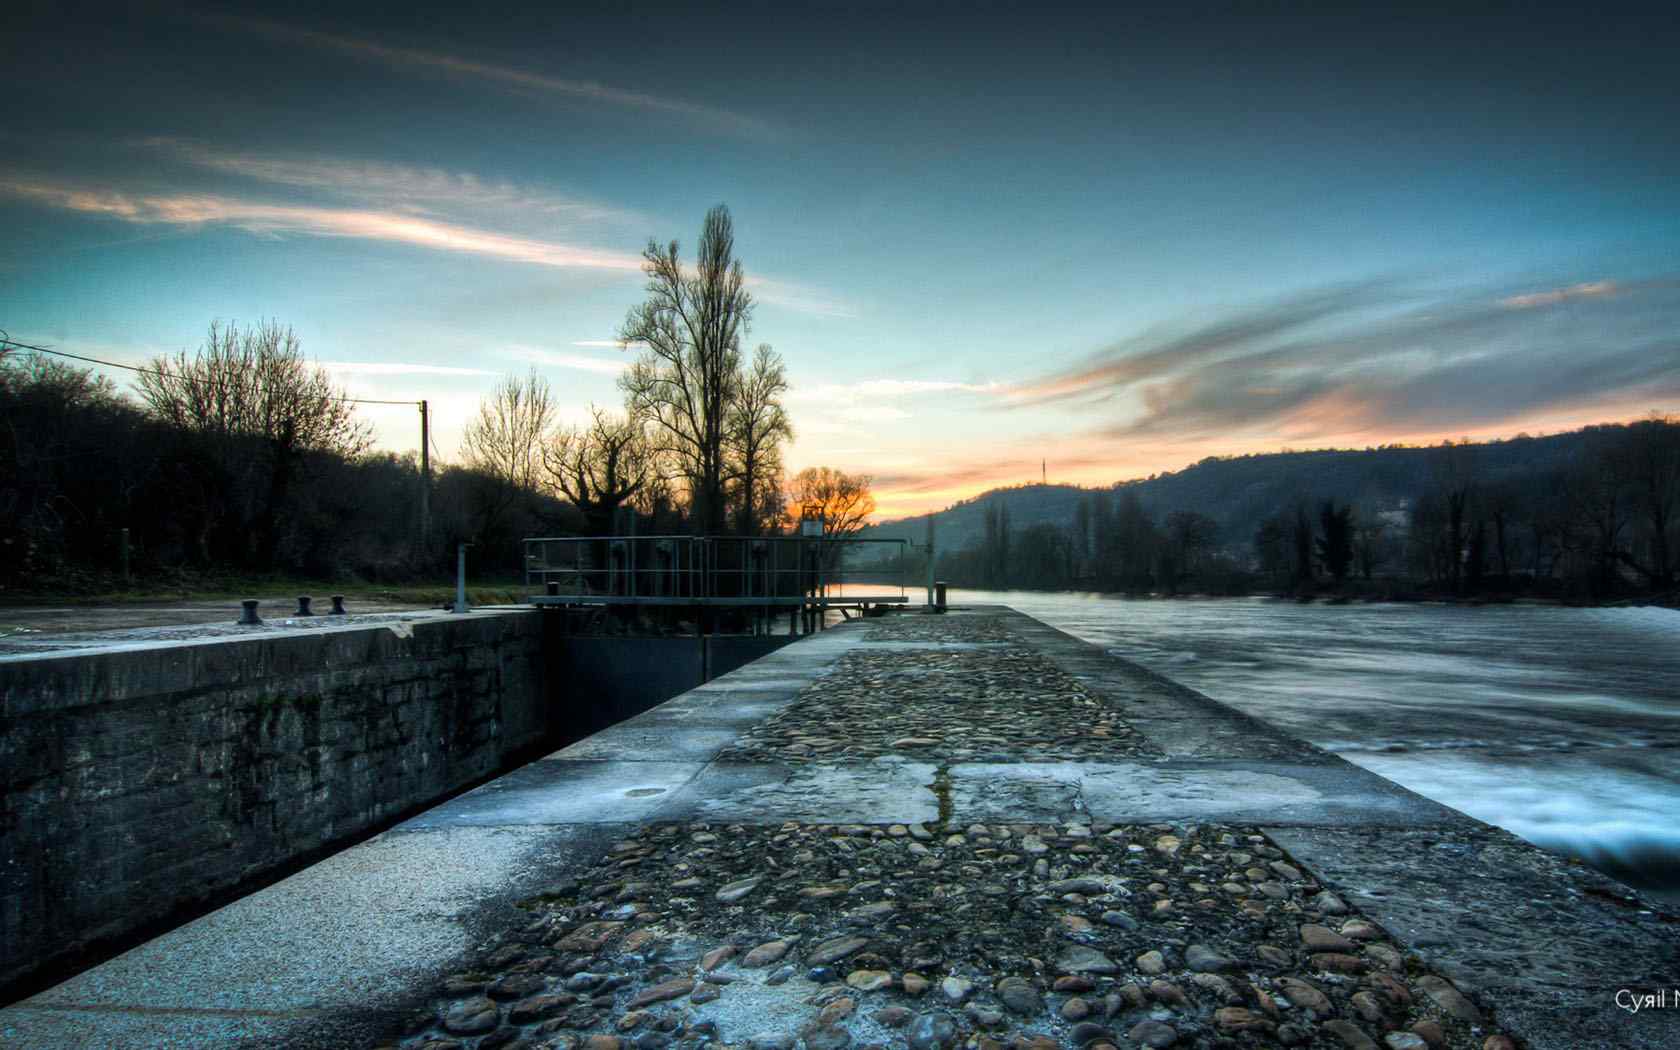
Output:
x=136 y=782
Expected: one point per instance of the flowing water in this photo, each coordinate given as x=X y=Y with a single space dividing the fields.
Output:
x=1561 y=725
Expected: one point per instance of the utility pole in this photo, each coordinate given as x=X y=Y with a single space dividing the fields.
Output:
x=930 y=559
x=425 y=477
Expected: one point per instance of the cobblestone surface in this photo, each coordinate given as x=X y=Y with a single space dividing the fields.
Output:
x=985 y=937
x=962 y=628
x=999 y=702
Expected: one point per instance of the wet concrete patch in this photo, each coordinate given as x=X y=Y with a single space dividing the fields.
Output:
x=1143 y=791
x=886 y=789
x=650 y=743
x=555 y=791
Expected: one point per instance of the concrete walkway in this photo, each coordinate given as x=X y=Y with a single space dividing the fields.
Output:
x=894 y=763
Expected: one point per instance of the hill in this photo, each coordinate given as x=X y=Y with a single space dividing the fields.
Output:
x=1240 y=492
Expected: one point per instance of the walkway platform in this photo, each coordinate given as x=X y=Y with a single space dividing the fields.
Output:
x=968 y=830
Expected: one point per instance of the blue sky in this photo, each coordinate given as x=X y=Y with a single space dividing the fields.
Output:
x=981 y=236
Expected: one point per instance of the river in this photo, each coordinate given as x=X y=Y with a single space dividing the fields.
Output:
x=1561 y=725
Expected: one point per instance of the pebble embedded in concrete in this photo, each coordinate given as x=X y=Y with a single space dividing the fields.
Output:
x=976 y=952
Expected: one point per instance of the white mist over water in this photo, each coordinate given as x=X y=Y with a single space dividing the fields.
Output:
x=1561 y=725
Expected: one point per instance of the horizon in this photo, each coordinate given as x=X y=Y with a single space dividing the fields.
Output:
x=1101 y=486
x=1119 y=243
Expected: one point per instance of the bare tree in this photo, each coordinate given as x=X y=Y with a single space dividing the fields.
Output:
x=259 y=407
x=1454 y=468
x=1336 y=544
x=757 y=427
x=504 y=444
x=844 y=499
x=1368 y=542
x=1651 y=450
x=684 y=382
x=600 y=467
x=1603 y=504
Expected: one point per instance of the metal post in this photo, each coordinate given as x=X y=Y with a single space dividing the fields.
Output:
x=461 y=577
x=425 y=477
x=930 y=559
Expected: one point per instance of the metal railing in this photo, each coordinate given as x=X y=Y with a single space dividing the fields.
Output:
x=734 y=570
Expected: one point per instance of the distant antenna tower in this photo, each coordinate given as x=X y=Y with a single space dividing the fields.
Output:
x=1043 y=472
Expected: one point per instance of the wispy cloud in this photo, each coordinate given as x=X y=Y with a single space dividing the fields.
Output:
x=1558 y=295
x=1159 y=352
x=375 y=224
x=271 y=218
x=505 y=77
x=608 y=344
x=832 y=409
x=799 y=298
x=1382 y=362
x=606 y=366
x=394 y=185
x=398 y=368
x=867 y=390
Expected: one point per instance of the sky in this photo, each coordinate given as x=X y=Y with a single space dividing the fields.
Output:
x=992 y=242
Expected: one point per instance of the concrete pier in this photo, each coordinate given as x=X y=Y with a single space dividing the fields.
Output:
x=926 y=831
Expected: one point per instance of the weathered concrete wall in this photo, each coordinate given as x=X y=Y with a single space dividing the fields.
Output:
x=140 y=781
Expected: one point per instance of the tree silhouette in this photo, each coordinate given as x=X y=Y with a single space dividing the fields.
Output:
x=257 y=408
x=1335 y=546
x=504 y=444
x=691 y=324
x=600 y=467
x=757 y=426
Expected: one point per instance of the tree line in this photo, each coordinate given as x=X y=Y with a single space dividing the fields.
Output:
x=1599 y=525
x=244 y=458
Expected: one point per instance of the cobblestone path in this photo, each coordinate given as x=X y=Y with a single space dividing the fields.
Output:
x=933 y=937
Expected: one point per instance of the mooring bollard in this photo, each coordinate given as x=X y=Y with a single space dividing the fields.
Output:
x=338 y=605
x=303 y=606
x=553 y=588
x=461 y=577
x=249 y=617
x=939 y=596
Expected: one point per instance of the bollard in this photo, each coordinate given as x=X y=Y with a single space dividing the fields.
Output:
x=461 y=577
x=939 y=596
x=249 y=617
x=303 y=606
x=338 y=605
x=553 y=587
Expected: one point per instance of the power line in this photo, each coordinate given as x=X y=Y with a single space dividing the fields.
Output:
x=5 y=342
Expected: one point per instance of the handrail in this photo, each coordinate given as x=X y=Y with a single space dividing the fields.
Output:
x=708 y=567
